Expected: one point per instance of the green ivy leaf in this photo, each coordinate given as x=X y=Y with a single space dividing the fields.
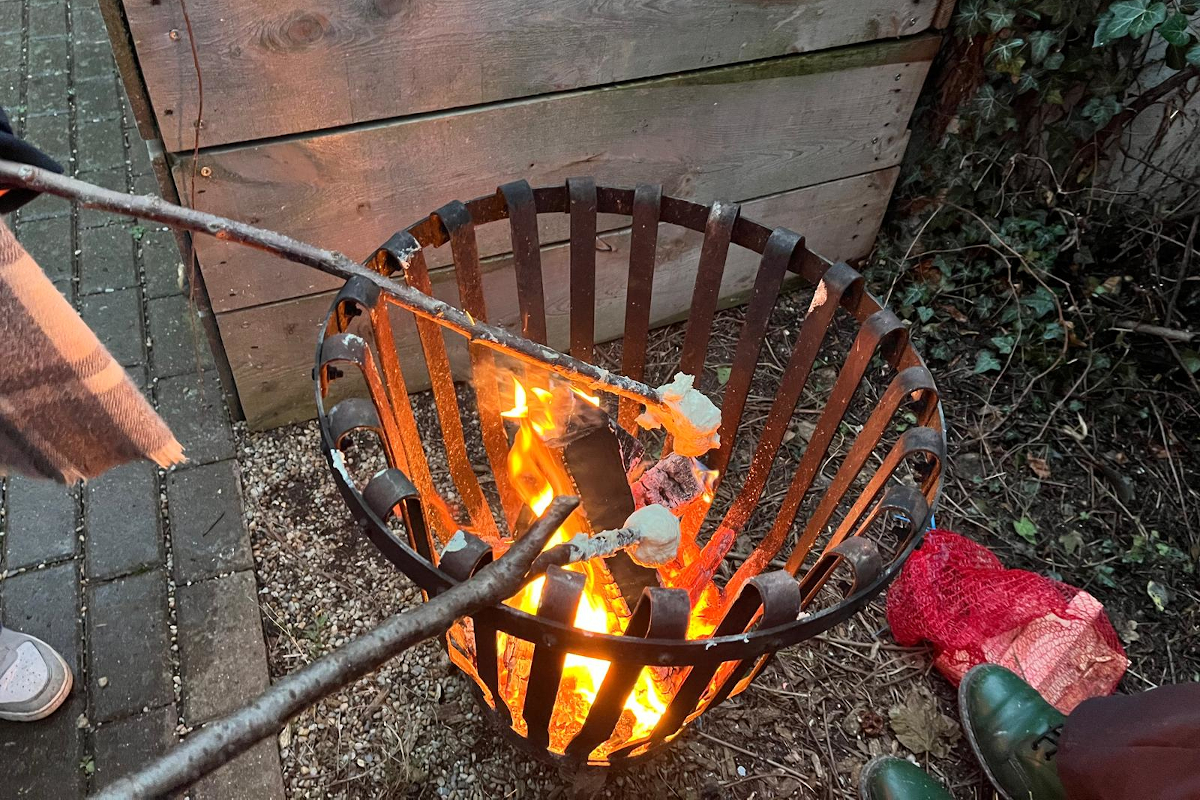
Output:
x=1134 y=18
x=1101 y=109
x=1006 y=52
x=1054 y=61
x=1041 y=302
x=1004 y=344
x=986 y=361
x=1175 y=30
x=1145 y=22
x=1176 y=57
x=970 y=16
x=1026 y=529
x=1193 y=55
x=1040 y=43
x=1000 y=18
x=925 y=313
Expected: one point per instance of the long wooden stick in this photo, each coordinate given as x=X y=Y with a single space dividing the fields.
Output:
x=332 y=262
x=220 y=742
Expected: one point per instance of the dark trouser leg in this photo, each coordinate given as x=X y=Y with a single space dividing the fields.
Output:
x=1133 y=747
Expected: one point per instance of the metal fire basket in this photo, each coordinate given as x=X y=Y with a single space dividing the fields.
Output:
x=857 y=529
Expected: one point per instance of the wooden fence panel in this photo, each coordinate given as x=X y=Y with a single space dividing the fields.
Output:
x=734 y=133
x=291 y=66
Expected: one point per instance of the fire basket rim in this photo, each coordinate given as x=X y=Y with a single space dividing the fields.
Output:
x=431 y=231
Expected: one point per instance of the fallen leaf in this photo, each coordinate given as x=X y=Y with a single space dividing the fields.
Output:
x=1071 y=542
x=1158 y=594
x=1128 y=631
x=1039 y=467
x=920 y=727
x=285 y=736
x=723 y=374
x=1026 y=529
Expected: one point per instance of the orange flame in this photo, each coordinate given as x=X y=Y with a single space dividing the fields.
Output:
x=538 y=475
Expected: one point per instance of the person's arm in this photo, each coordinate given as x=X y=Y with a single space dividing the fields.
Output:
x=14 y=149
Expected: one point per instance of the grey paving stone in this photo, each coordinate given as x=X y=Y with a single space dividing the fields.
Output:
x=52 y=135
x=48 y=94
x=106 y=259
x=124 y=532
x=45 y=603
x=208 y=536
x=145 y=183
x=113 y=178
x=139 y=153
x=44 y=760
x=116 y=319
x=178 y=342
x=47 y=20
x=194 y=408
x=47 y=55
x=10 y=90
x=98 y=98
x=92 y=59
x=10 y=19
x=49 y=242
x=129 y=645
x=160 y=262
x=87 y=23
x=222 y=657
x=41 y=522
x=129 y=744
x=254 y=774
x=100 y=144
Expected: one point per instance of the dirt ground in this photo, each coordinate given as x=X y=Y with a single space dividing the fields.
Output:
x=1111 y=505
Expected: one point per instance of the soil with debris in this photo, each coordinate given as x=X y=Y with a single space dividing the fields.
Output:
x=803 y=729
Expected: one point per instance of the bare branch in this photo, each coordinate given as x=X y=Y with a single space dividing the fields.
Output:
x=219 y=742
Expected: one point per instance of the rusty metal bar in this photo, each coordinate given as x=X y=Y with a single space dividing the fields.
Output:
x=643 y=252
x=718 y=233
x=881 y=330
x=582 y=204
x=527 y=259
x=660 y=614
x=465 y=250
x=445 y=397
x=913 y=442
x=839 y=280
x=560 y=600
x=783 y=248
x=912 y=381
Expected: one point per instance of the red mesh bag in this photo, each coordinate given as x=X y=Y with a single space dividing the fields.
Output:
x=955 y=594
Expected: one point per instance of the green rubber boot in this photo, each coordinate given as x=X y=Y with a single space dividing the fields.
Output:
x=890 y=778
x=1013 y=731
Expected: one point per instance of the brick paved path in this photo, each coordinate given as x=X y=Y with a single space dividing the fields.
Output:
x=144 y=580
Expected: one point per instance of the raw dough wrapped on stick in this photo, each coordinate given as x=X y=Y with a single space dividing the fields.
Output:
x=689 y=416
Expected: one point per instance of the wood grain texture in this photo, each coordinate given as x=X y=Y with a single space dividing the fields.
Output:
x=734 y=133
x=271 y=347
x=292 y=66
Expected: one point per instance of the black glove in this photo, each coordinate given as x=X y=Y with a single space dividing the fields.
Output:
x=13 y=149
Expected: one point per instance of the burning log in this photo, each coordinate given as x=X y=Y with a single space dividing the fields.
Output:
x=590 y=451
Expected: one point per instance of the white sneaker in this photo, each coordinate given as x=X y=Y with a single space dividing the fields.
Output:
x=34 y=679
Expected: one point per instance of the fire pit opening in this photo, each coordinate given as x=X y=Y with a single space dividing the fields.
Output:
x=605 y=659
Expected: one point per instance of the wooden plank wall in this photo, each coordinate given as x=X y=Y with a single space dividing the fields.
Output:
x=341 y=121
x=750 y=131
x=275 y=67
